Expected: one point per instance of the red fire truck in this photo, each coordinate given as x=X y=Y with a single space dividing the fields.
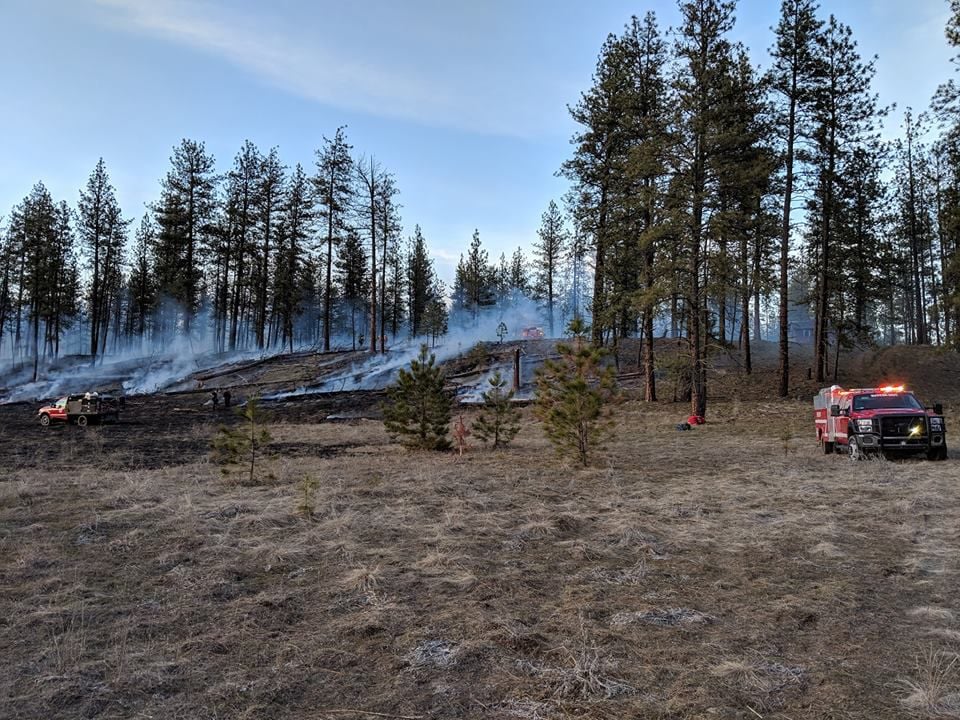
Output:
x=81 y=409
x=882 y=419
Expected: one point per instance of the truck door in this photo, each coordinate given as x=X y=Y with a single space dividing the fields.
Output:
x=59 y=410
x=843 y=422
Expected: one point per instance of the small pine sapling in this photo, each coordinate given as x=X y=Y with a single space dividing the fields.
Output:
x=786 y=436
x=239 y=446
x=417 y=410
x=499 y=422
x=573 y=395
x=308 y=486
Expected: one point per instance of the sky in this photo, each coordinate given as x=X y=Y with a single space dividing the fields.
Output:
x=464 y=101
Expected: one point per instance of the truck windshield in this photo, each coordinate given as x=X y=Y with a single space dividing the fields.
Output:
x=883 y=401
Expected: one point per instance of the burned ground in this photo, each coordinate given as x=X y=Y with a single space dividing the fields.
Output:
x=731 y=571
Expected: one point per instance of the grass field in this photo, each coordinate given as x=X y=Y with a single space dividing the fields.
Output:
x=731 y=571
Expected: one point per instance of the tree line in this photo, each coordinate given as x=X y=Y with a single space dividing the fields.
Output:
x=707 y=200
x=704 y=188
x=259 y=257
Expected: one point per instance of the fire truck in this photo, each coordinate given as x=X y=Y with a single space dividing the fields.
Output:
x=81 y=409
x=886 y=419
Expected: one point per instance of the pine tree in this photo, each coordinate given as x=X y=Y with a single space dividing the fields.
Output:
x=102 y=232
x=296 y=230
x=419 y=281
x=645 y=179
x=141 y=285
x=389 y=235
x=272 y=198
x=547 y=253
x=501 y=283
x=703 y=53
x=573 y=395
x=63 y=307
x=370 y=179
x=436 y=316
x=741 y=225
x=185 y=215
x=518 y=274
x=353 y=276
x=474 y=283
x=234 y=258
x=8 y=265
x=596 y=167
x=499 y=422
x=845 y=112
x=396 y=284
x=38 y=232
x=418 y=408
x=335 y=191
x=793 y=80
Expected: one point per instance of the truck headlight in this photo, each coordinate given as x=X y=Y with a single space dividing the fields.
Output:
x=936 y=423
x=865 y=425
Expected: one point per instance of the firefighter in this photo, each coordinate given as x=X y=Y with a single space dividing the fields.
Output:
x=226 y=398
x=215 y=398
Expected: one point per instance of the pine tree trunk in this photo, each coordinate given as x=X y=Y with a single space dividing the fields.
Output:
x=783 y=370
x=328 y=281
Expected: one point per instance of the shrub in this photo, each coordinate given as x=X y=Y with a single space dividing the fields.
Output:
x=417 y=410
x=499 y=422
x=572 y=397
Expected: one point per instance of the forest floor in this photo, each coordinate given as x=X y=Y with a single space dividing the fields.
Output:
x=733 y=571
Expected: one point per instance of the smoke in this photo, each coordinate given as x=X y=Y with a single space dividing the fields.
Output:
x=171 y=358
x=380 y=371
x=163 y=361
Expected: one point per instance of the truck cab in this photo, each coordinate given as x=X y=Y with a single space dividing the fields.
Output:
x=55 y=412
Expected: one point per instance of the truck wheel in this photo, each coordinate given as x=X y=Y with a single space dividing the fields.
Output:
x=44 y=420
x=82 y=421
x=827 y=448
x=856 y=453
x=937 y=453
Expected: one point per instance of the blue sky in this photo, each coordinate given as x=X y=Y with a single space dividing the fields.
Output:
x=464 y=101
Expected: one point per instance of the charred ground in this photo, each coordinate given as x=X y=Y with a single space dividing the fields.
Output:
x=731 y=571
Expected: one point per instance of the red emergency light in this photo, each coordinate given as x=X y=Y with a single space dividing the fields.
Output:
x=891 y=389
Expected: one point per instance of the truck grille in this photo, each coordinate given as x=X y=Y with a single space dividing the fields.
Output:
x=898 y=429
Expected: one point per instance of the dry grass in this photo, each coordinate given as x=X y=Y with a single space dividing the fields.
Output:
x=697 y=574
x=934 y=688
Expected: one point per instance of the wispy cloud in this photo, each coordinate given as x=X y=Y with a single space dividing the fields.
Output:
x=326 y=70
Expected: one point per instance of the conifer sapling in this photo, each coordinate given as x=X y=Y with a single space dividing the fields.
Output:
x=573 y=394
x=417 y=410
x=499 y=422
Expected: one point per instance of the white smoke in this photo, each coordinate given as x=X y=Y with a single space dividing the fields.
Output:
x=170 y=366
